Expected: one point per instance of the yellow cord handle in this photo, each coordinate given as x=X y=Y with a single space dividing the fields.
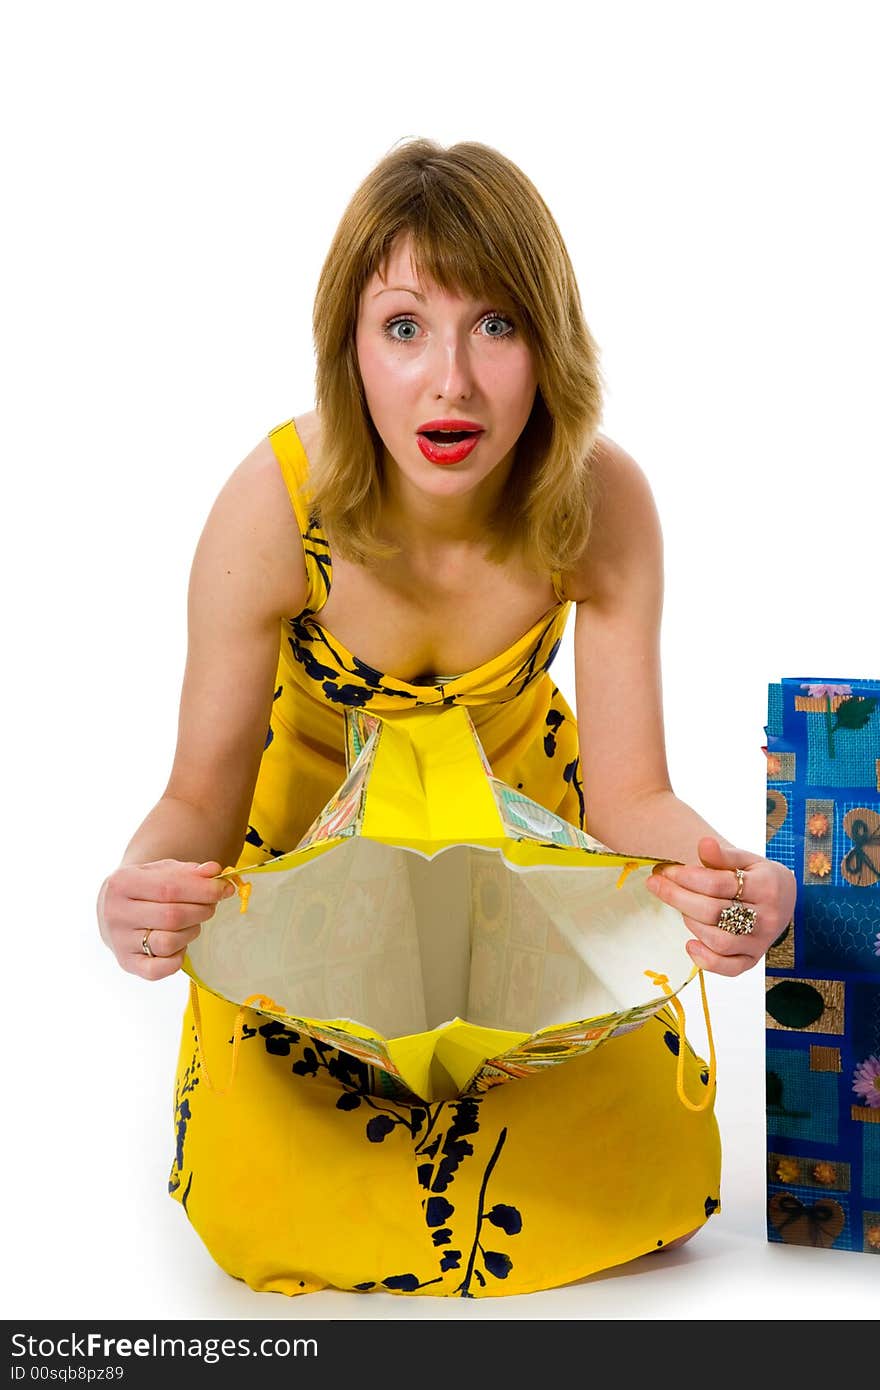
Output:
x=242 y=887
x=259 y=1001
x=626 y=871
x=663 y=982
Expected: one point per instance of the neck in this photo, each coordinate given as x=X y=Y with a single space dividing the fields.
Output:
x=429 y=522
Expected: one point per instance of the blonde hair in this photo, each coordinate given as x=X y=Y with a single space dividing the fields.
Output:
x=477 y=225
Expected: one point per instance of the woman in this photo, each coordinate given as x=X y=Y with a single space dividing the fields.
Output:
x=439 y=512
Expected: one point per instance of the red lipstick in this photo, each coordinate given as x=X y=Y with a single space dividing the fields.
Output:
x=449 y=423
x=462 y=438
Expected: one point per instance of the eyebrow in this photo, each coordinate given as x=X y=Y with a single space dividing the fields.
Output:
x=389 y=289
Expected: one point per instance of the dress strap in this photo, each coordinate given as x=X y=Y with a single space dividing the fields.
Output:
x=556 y=579
x=293 y=462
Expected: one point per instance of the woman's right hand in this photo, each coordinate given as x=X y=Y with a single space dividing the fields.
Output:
x=167 y=901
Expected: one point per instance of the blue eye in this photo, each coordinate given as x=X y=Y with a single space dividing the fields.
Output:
x=499 y=318
x=404 y=322
x=400 y=323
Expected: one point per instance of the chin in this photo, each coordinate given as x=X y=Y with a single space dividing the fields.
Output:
x=451 y=476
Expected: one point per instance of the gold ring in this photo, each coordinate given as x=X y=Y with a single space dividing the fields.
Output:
x=145 y=943
x=740 y=880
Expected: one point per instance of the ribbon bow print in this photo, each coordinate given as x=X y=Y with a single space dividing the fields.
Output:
x=798 y=1223
x=861 y=865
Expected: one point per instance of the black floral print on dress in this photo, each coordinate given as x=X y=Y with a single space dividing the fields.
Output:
x=439 y=1150
x=253 y=837
x=317 y=549
x=182 y=1116
x=314 y=649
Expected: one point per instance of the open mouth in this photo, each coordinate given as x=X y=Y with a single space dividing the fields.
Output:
x=448 y=436
x=448 y=445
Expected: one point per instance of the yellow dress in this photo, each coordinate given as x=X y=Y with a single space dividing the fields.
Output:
x=297 y=1178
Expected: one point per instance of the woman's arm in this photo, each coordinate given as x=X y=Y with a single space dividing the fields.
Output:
x=248 y=573
x=630 y=804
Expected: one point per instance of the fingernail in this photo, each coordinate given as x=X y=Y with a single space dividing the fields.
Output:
x=208 y=864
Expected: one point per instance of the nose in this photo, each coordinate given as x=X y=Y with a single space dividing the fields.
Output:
x=452 y=369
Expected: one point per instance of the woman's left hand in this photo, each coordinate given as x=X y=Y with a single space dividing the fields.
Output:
x=702 y=891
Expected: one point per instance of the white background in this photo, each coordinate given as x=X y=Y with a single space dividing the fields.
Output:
x=172 y=175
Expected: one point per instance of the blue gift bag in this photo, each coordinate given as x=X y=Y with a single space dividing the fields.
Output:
x=823 y=971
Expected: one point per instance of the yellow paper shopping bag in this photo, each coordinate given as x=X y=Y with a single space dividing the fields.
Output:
x=438 y=925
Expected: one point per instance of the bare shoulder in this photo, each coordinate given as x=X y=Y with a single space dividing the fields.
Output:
x=626 y=538
x=308 y=427
x=252 y=527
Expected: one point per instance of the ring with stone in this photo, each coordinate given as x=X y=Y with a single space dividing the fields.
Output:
x=738 y=919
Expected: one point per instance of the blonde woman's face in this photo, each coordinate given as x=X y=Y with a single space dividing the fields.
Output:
x=428 y=359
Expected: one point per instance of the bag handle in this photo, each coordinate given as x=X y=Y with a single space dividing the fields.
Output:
x=258 y=1001
x=663 y=982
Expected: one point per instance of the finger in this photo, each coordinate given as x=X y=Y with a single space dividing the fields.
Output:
x=727 y=943
x=155 y=967
x=712 y=883
x=164 y=943
x=178 y=884
x=142 y=915
x=696 y=906
x=700 y=914
x=707 y=959
x=716 y=857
